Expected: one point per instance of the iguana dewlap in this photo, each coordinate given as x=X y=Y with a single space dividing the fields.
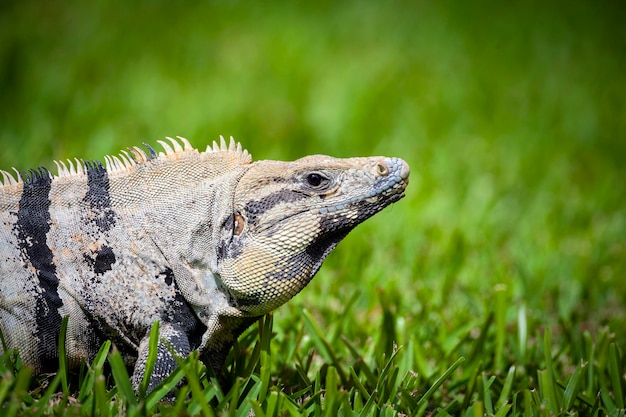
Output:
x=203 y=242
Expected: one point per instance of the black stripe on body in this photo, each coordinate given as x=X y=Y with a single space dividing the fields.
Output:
x=99 y=214
x=31 y=228
x=98 y=197
x=180 y=314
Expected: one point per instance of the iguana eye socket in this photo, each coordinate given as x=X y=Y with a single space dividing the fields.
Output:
x=317 y=180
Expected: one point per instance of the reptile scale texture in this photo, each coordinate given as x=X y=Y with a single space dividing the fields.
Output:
x=203 y=242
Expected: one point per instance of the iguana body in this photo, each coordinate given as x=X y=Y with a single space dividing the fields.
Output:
x=203 y=242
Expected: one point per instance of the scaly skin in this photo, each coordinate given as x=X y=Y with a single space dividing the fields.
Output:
x=203 y=242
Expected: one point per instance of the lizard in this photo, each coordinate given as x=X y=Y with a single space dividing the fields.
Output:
x=202 y=242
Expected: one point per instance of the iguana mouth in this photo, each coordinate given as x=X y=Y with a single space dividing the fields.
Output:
x=381 y=198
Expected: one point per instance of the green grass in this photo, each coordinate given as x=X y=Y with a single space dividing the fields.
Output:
x=496 y=287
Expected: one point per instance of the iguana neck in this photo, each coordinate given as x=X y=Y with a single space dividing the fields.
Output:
x=185 y=223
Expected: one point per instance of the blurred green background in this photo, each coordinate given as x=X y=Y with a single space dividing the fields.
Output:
x=512 y=116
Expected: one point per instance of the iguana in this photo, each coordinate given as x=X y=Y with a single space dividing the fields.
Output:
x=203 y=242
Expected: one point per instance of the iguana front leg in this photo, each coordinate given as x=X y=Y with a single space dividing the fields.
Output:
x=173 y=341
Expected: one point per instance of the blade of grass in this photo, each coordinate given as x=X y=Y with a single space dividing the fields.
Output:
x=101 y=400
x=272 y=403
x=596 y=406
x=357 y=401
x=63 y=357
x=266 y=369
x=179 y=408
x=506 y=388
x=522 y=333
x=322 y=345
x=256 y=407
x=420 y=410
x=408 y=385
x=122 y=381
x=549 y=383
x=573 y=386
x=477 y=409
x=302 y=374
x=609 y=404
x=480 y=343
x=616 y=375
x=500 y=314
x=371 y=378
x=331 y=383
x=96 y=365
x=234 y=397
x=368 y=408
x=387 y=334
x=591 y=360
x=253 y=360
x=486 y=393
x=194 y=384
x=528 y=403
x=424 y=399
x=390 y=385
x=357 y=383
x=5 y=386
x=503 y=411
x=385 y=385
x=46 y=398
x=312 y=401
x=20 y=387
x=343 y=317
x=153 y=345
x=163 y=388
x=473 y=370
x=245 y=409
x=346 y=407
x=265 y=331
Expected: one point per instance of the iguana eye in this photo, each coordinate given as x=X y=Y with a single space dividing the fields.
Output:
x=316 y=179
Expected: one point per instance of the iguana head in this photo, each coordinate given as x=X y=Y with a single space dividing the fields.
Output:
x=289 y=215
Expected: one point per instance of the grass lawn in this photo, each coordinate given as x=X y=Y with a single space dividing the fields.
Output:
x=496 y=287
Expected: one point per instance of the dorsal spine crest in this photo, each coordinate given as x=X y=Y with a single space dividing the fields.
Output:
x=126 y=160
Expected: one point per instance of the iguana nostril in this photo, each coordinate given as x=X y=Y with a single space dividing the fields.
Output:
x=382 y=169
